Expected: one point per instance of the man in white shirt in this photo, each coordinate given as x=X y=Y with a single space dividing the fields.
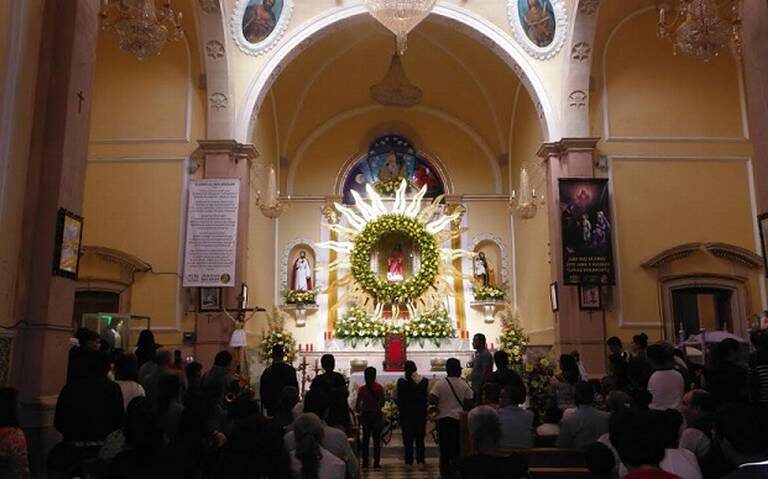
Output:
x=452 y=396
x=666 y=384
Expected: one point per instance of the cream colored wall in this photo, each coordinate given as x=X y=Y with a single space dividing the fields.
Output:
x=469 y=168
x=673 y=130
x=147 y=117
x=531 y=235
x=17 y=101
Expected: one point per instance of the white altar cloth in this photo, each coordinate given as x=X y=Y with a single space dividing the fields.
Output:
x=357 y=379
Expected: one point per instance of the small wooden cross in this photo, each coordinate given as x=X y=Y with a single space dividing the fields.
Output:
x=81 y=99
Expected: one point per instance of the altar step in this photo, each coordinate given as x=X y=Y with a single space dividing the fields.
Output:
x=399 y=470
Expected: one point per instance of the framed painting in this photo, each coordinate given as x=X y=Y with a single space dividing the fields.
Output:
x=540 y=26
x=590 y=298
x=762 y=222
x=209 y=300
x=69 y=236
x=257 y=25
x=553 y=299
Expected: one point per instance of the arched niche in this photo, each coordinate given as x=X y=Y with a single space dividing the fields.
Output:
x=496 y=256
x=291 y=252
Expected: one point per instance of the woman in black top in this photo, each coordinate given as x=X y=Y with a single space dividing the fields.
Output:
x=412 y=404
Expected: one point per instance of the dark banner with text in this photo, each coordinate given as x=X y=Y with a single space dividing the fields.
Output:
x=586 y=227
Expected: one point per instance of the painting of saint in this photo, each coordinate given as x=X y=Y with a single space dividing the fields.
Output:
x=538 y=20
x=260 y=19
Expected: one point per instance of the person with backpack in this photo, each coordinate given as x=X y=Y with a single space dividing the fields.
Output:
x=453 y=396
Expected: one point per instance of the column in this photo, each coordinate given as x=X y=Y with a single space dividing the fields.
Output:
x=226 y=159
x=755 y=60
x=574 y=329
x=55 y=178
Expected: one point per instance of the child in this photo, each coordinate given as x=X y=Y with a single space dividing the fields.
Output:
x=370 y=399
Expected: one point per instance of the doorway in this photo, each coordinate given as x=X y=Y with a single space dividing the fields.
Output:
x=695 y=308
x=94 y=302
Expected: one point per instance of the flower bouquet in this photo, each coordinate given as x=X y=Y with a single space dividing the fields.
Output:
x=488 y=293
x=301 y=297
x=276 y=335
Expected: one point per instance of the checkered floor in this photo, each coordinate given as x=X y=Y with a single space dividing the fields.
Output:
x=391 y=469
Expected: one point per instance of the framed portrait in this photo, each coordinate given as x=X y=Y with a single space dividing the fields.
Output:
x=257 y=25
x=210 y=300
x=762 y=222
x=553 y=300
x=589 y=297
x=69 y=236
x=539 y=26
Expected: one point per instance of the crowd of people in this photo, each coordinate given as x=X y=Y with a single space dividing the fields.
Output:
x=150 y=414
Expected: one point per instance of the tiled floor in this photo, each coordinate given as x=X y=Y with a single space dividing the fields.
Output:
x=391 y=469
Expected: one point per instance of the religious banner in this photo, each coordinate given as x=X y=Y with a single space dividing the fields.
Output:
x=586 y=229
x=211 y=243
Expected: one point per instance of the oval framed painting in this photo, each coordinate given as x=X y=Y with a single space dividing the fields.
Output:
x=540 y=26
x=257 y=25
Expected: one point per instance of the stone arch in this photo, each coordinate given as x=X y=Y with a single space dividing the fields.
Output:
x=578 y=67
x=220 y=111
x=456 y=17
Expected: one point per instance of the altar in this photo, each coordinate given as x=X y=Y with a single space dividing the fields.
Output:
x=385 y=378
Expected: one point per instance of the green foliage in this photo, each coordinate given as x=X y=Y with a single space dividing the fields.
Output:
x=300 y=297
x=359 y=327
x=274 y=335
x=388 y=291
x=488 y=293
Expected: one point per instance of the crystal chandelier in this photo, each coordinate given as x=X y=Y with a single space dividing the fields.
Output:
x=524 y=204
x=700 y=28
x=400 y=16
x=142 y=29
x=395 y=89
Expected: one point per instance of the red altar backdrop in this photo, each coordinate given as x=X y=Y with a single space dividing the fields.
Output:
x=394 y=352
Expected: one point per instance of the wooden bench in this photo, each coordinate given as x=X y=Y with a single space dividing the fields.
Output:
x=559 y=473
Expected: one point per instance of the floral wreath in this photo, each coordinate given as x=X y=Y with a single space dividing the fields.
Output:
x=382 y=289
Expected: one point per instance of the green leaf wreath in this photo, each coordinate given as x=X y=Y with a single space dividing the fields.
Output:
x=274 y=335
x=380 y=288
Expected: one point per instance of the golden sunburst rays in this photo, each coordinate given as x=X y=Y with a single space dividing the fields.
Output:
x=432 y=220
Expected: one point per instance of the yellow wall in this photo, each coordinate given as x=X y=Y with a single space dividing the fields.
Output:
x=531 y=235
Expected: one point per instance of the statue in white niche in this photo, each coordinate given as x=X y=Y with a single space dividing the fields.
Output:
x=302 y=273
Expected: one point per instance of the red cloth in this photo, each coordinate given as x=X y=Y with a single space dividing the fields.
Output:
x=370 y=398
x=649 y=474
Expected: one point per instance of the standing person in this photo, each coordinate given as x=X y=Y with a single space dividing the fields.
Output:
x=562 y=389
x=482 y=365
x=742 y=439
x=666 y=384
x=277 y=376
x=453 y=396
x=334 y=387
x=84 y=341
x=146 y=347
x=219 y=377
x=127 y=376
x=13 y=443
x=618 y=362
x=412 y=404
x=727 y=379
x=582 y=370
x=370 y=399
x=87 y=410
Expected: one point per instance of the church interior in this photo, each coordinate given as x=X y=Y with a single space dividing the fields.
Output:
x=547 y=173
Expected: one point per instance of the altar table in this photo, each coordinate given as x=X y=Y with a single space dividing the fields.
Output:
x=357 y=379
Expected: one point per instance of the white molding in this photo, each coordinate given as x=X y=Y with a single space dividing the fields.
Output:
x=561 y=30
x=254 y=49
x=499 y=242
x=683 y=139
x=187 y=114
x=616 y=230
x=338 y=118
x=457 y=17
x=135 y=159
x=285 y=256
x=10 y=84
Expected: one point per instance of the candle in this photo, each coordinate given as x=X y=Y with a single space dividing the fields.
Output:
x=312 y=347
x=299 y=347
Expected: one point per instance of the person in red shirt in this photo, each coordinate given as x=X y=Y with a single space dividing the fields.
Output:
x=370 y=399
x=635 y=434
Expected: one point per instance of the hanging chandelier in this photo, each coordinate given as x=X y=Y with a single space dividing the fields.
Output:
x=524 y=203
x=395 y=89
x=700 y=28
x=400 y=16
x=141 y=27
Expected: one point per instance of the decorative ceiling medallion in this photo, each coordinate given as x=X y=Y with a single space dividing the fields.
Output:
x=540 y=26
x=257 y=25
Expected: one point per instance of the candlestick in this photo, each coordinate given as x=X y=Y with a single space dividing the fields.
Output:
x=299 y=347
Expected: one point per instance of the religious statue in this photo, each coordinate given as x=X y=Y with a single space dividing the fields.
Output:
x=391 y=170
x=395 y=264
x=482 y=271
x=539 y=24
x=302 y=273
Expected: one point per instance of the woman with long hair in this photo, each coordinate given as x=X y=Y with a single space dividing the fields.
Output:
x=370 y=399
x=411 y=397
x=13 y=443
x=310 y=460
